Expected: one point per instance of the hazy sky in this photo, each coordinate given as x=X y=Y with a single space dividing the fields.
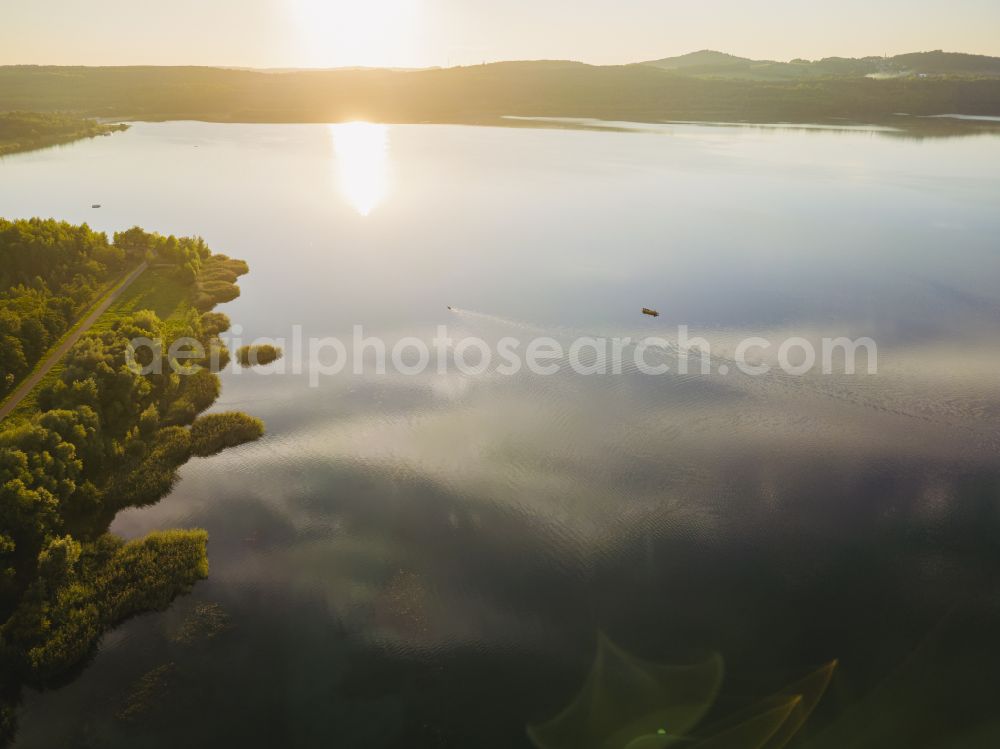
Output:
x=416 y=33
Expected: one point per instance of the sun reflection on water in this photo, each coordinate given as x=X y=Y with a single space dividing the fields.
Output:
x=362 y=159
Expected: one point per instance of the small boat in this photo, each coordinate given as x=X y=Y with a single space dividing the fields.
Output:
x=451 y=308
x=96 y=205
x=650 y=312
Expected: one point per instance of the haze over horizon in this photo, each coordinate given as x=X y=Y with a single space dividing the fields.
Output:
x=427 y=33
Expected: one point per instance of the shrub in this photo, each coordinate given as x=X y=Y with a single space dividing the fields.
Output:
x=198 y=391
x=213 y=293
x=262 y=354
x=220 y=291
x=218 y=260
x=218 y=356
x=213 y=323
x=215 y=432
x=58 y=624
x=148 y=574
x=217 y=273
x=154 y=476
x=181 y=413
x=201 y=388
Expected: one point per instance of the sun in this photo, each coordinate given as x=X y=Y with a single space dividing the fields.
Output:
x=347 y=33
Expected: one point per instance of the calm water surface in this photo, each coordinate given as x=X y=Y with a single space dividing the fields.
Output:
x=429 y=560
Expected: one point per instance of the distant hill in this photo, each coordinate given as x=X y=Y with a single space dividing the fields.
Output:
x=944 y=63
x=706 y=58
x=719 y=64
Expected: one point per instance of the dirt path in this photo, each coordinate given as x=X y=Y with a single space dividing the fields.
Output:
x=56 y=354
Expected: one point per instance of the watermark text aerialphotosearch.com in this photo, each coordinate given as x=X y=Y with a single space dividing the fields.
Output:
x=540 y=355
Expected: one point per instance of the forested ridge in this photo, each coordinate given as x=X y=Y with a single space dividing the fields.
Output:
x=104 y=436
x=487 y=93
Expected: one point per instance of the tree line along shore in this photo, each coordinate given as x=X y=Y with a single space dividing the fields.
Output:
x=29 y=131
x=99 y=437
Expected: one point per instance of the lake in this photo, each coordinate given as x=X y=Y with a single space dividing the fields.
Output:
x=432 y=559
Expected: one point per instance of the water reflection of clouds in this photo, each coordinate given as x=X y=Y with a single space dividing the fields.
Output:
x=417 y=552
x=526 y=444
x=521 y=515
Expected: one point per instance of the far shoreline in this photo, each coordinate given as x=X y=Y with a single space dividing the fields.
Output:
x=900 y=125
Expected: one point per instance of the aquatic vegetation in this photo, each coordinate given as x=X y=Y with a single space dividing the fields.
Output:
x=208 y=620
x=213 y=323
x=216 y=278
x=260 y=354
x=197 y=392
x=217 y=356
x=215 y=292
x=152 y=475
x=213 y=433
x=81 y=589
x=146 y=691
